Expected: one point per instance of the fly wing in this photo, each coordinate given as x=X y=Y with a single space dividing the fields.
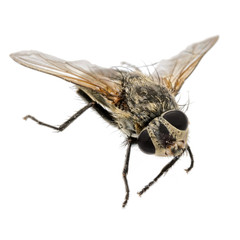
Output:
x=105 y=81
x=173 y=72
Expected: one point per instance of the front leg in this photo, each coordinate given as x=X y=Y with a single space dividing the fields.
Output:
x=192 y=160
x=164 y=170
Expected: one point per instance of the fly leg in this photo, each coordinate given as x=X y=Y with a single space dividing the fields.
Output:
x=106 y=115
x=130 y=141
x=192 y=160
x=164 y=170
x=65 y=124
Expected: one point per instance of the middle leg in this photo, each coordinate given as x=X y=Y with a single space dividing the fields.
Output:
x=130 y=141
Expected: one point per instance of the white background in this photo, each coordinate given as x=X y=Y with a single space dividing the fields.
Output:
x=69 y=185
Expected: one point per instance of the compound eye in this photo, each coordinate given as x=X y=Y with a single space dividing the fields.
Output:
x=177 y=118
x=145 y=143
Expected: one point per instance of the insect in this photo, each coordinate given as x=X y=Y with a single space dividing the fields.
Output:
x=141 y=105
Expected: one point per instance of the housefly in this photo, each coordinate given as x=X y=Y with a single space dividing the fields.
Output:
x=141 y=105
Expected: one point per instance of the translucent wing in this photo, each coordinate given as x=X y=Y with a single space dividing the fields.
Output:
x=173 y=72
x=105 y=81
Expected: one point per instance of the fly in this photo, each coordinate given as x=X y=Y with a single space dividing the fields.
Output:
x=142 y=106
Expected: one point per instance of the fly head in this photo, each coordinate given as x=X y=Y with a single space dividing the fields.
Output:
x=165 y=135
